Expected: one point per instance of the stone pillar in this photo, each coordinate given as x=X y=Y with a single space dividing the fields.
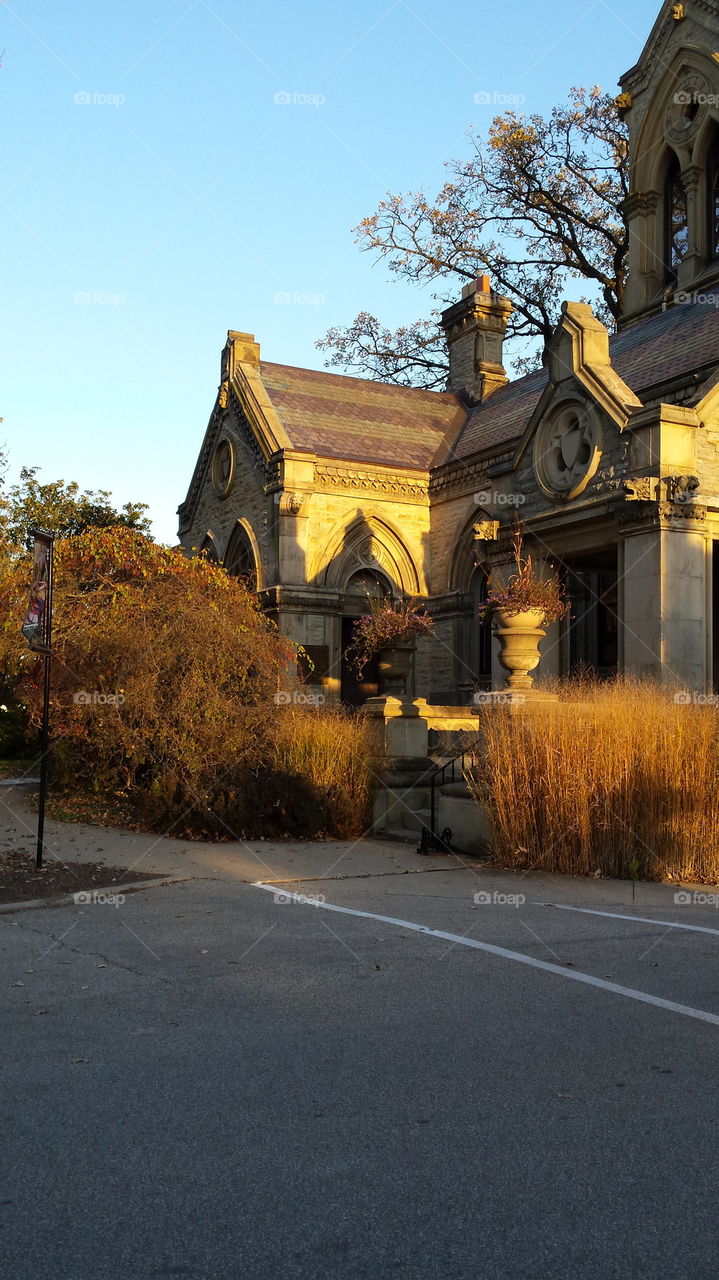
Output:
x=663 y=571
x=691 y=265
x=402 y=793
x=646 y=269
x=400 y=731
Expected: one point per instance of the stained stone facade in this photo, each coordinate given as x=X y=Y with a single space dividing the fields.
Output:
x=321 y=489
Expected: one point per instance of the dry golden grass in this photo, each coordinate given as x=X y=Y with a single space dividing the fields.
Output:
x=615 y=778
x=331 y=749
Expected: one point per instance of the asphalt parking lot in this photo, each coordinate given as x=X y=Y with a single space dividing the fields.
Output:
x=419 y=1069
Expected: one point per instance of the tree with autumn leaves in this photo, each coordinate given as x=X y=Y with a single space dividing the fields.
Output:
x=536 y=205
x=164 y=698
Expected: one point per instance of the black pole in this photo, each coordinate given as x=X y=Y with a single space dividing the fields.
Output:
x=45 y=748
x=45 y=732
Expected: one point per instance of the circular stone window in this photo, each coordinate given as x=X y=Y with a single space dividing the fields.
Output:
x=223 y=468
x=687 y=108
x=567 y=450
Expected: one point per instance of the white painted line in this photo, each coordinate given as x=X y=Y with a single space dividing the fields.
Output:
x=574 y=976
x=617 y=915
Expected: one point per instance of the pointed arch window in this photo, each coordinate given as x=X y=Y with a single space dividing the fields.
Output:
x=239 y=559
x=369 y=584
x=676 y=234
x=209 y=550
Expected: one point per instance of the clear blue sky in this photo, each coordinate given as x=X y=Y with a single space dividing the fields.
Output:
x=180 y=197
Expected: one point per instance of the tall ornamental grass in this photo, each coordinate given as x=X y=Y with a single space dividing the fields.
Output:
x=620 y=779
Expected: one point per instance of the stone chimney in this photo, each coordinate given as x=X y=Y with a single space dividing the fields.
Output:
x=475 y=328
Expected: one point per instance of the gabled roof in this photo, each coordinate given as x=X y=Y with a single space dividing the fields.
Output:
x=646 y=356
x=656 y=48
x=358 y=420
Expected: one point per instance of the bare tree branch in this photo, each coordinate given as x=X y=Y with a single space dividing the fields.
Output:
x=536 y=205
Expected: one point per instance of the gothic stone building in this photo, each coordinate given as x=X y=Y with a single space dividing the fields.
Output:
x=323 y=489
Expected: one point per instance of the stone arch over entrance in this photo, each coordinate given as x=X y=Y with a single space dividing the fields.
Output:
x=242 y=556
x=368 y=543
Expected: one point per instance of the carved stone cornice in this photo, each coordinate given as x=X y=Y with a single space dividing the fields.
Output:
x=670 y=503
x=301 y=598
x=681 y=489
x=274 y=475
x=499 y=554
x=466 y=476
x=639 y=204
x=503 y=462
x=352 y=480
x=672 y=516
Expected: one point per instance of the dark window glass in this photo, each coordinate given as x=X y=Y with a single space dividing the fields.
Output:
x=208 y=551
x=239 y=560
x=677 y=221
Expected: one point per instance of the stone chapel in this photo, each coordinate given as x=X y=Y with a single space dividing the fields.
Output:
x=323 y=490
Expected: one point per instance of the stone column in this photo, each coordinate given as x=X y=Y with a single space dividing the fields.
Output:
x=692 y=263
x=646 y=275
x=664 y=588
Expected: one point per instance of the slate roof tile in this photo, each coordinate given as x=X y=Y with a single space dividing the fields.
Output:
x=353 y=418
x=359 y=420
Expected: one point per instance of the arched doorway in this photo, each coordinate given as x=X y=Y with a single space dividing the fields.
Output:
x=362 y=587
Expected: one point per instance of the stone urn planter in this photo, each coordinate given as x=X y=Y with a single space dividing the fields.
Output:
x=394 y=665
x=519 y=635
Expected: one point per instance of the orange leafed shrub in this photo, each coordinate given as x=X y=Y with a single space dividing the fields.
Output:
x=163 y=693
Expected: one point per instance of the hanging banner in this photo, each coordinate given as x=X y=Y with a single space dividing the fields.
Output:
x=36 y=627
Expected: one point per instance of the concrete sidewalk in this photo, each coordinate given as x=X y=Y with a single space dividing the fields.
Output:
x=166 y=856
x=303 y=861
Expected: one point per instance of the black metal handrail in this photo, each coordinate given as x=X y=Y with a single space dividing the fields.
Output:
x=431 y=840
